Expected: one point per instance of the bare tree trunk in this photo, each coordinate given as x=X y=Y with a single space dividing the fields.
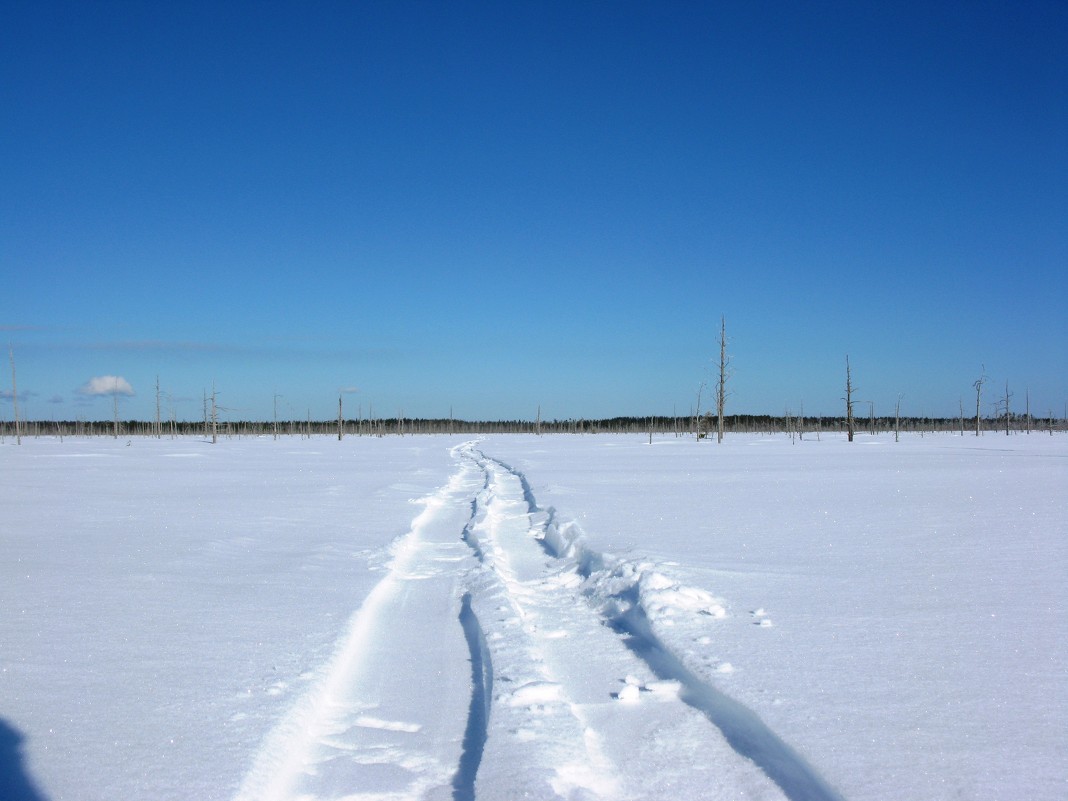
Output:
x=721 y=386
x=340 y=420
x=15 y=398
x=1007 y=416
x=214 y=417
x=961 y=402
x=115 y=405
x=697 y=415
x=897 y=420
x=978 y=397
x=275 y=427
x=849 y=401
x=1027 y=409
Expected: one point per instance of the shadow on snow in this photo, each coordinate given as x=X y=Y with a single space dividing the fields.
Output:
x=15 y=782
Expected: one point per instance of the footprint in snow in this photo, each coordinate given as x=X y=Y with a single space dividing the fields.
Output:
x=762 y=618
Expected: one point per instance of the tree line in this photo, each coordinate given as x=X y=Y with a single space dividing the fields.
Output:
x=708 y=425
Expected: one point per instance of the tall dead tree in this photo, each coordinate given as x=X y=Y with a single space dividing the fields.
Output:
x=849 y=401
x=340 y=420
x=159 y=425
x=721 y=384
x=1008 y=415
x=979 y=397
x=214 y=416
x=697 y=414
x=15 y=398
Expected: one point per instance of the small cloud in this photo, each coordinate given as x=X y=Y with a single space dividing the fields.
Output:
x=24 y=396
x=56 y=399
x=106 y=385
x=349 y=390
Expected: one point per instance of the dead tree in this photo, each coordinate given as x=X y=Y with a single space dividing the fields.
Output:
x=1008 y=416
x=115 y=406
x=340 y=420
x=697 y=414
x=897 y=420
x=849 y=401
x=214 y=416
x=15 y=397
x=721 y=384
x=978 y=397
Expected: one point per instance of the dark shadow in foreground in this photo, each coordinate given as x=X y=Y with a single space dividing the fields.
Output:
x=15 y=783
x=463 y=784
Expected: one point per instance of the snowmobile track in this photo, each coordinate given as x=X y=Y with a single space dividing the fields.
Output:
x=550 y=679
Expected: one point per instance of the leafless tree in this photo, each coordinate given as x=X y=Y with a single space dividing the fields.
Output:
x=115 y=406
x=897 y=420
x=697 y=414
x=214 y=416
x=1008 y=415
x=721 y=384
x=340 y=420
x=849 y=401
x=15 y=397
x=978 y=397
x=159 y=425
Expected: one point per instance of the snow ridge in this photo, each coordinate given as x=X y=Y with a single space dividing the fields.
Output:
x=359 y=726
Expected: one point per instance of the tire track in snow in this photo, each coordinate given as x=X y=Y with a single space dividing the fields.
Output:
x=360 y=728
x=615 y=589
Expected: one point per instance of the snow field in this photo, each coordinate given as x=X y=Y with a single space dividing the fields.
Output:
x=537 y=617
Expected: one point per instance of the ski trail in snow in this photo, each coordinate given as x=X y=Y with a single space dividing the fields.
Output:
x=360 y=728
x=575 y=713
x=547 y=677
x=535 y=565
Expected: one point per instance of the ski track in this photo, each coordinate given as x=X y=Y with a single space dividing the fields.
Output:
x=554 y=679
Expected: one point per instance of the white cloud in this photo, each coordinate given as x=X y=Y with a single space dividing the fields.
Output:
x=106 y=385
x=349 y=390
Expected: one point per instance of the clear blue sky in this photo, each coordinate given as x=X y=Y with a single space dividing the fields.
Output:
x=492 y=206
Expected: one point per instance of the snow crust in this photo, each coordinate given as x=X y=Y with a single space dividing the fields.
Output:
x=540 y=617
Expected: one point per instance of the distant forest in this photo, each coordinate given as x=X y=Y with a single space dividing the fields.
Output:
x=688 y=426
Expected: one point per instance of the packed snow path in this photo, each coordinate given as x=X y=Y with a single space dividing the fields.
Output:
x=550 y=679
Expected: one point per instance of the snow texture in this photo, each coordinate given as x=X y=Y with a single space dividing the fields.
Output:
x=565 y=617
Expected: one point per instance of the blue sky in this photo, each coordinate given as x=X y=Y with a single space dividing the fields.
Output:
x=492 y=207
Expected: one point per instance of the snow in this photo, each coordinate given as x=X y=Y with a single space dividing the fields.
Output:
x=588 y=617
